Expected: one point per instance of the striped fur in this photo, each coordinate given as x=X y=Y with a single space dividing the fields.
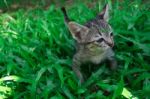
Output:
x=94 y=41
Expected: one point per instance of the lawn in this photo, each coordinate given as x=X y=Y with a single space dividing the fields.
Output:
x=36 y=50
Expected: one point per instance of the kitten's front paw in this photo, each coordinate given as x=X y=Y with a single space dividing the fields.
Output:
x=81 y=81
x=113 y=65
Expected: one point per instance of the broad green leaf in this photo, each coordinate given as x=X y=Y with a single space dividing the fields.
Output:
x=60 y=72
x=128 y=94
x=119 y=89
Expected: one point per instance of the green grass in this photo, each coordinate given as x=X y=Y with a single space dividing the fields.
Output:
x=36 y=52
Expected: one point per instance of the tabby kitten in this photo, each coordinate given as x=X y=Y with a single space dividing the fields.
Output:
x=94 y=41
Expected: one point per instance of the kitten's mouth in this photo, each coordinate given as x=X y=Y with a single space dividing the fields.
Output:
x=111 y=44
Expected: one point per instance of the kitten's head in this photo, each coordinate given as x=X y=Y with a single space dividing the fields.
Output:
x=96 y=33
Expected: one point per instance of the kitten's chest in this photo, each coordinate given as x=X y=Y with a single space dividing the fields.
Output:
x=97 y=58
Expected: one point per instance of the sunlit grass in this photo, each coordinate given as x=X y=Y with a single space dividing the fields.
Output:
x=36 y=52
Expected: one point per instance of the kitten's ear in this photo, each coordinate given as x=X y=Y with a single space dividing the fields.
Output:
x=105 y=13
x=78 y=31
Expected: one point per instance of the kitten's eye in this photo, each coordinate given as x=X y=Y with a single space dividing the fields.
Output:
x=100 y=40
x=111 y=34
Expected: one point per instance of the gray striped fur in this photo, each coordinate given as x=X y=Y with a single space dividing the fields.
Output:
x=94 y=41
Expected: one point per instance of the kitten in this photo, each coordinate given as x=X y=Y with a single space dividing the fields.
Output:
x=94 y=41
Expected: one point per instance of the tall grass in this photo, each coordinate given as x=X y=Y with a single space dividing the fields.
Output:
x=36 y=52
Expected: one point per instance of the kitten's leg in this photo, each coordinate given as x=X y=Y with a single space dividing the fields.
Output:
x=76 y=68
x=111 y=59
x=112 y=62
